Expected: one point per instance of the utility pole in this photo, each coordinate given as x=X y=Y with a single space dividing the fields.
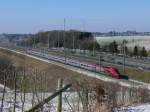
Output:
x=48 y=39
x=124 y=52
x=34 y=41
x=65 y=39
x=59 y=107
x=100 y=64
x=93 y=46
x=53 y=43
x=79 y=48
x=58 y=40
x=26 y=45
x=83 y=33
x=73 y=42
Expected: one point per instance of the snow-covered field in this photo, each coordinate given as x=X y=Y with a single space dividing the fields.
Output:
x=2 y=88
x=69 y=101
x=139 y=108
x=132 y=40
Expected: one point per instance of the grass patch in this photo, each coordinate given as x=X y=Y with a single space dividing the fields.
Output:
x=138 y=75
x=148 y=53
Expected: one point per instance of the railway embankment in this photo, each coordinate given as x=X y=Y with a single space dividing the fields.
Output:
x=106 y=91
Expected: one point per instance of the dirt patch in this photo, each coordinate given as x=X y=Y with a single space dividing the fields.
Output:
x=49 y=71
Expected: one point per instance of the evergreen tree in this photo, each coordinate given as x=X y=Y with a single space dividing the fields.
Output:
x=143 y=52
x=113 y=47
x=136 y=51
x=90 y=46
x=126 y=50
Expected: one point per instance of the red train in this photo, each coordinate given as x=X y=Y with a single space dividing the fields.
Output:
x=111 y=71
x=108 y=70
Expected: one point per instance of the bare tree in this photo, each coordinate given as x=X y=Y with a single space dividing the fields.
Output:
x=3 y=94
x=23 y=89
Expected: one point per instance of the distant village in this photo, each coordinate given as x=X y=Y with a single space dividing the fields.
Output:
x=127 y=33
x=6 y=38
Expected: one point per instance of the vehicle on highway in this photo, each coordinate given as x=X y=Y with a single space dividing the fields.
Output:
x=140 y=68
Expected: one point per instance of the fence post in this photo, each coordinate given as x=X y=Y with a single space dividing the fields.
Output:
x=59 y=107
x=52 y=96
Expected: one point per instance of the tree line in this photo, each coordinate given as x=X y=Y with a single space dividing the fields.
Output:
x=71 y=39
x=114 y=47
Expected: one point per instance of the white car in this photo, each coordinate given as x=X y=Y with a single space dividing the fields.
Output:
x=140 y=68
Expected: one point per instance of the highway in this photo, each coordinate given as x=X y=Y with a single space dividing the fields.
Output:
x=106 y=59
x=116 y=60
x=126 y=83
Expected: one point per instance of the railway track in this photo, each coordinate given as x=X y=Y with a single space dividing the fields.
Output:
x=127 y=83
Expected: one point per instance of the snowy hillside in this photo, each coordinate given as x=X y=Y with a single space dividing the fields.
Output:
x=132 y=40
x=139 y=108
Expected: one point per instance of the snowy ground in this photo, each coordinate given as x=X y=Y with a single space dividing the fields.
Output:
x=132 y=40
x=139 y=108
x=2 y=88
x=70 y=102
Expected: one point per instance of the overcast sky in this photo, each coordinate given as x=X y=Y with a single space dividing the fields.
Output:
x=30 y=16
